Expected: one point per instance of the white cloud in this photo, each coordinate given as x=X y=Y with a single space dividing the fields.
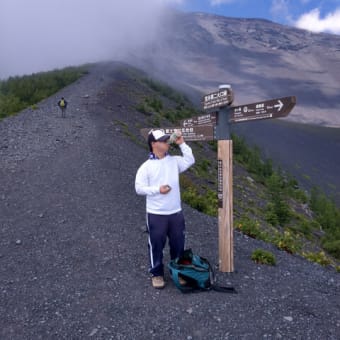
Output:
x=39 y=35
x=312 y=21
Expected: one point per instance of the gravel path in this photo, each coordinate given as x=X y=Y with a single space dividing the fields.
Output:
x=73 y=251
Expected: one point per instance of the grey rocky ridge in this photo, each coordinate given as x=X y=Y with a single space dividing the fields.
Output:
x=259 y=58
x=73 y=257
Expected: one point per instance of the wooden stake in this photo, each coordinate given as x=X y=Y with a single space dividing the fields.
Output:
x=225 y=210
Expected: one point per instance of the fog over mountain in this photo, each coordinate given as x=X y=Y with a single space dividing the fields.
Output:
x=195 y=51
x=38 y=35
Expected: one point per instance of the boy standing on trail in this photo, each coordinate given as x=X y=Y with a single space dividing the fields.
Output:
x=158 y=179
x=62 y=103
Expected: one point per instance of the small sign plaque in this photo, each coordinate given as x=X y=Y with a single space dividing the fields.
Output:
x=217 y=99
x=190 y=134
x=273 y=108
x=206 y=119
x=220 y=183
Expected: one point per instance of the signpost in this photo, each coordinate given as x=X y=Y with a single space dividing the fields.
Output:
x=214 y=125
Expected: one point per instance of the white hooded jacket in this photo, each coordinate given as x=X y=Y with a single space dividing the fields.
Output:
x=154 y=173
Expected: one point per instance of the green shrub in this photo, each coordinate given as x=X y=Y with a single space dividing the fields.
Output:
x=297 y=194
x=155 y=104
x=271 y=216
x=202 y=167
x=328 y=216
x=250 y=227
x=156 y=120
x=287 y=242
x=142 y=108
x=332 y=247
x=263 y=257
x=278 y=211
x=206 y=203
x=251 y=159
x=319 y=258
x=326 y=211
x=303 y=226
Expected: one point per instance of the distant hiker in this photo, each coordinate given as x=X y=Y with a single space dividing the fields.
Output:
x=62 y=103
x=158 y=179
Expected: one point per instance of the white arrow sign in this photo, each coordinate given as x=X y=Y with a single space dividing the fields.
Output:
x=279 y=105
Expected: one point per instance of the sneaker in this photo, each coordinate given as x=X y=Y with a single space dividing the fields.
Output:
x=158 y=282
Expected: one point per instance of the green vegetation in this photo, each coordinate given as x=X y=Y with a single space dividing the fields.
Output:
x=18 y=93
x=250 y=158
x=328 y=216
x=278 y=210
x=149 y=105
x=204 y=200
x=280 y=188
x=153 y=105
x=166 y=91
x=285 y=241
x=263 y=257
x=319 y=258
x=250 y=227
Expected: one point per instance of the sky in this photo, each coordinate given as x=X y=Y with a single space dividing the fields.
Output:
x=39 y=35
x=313 y=15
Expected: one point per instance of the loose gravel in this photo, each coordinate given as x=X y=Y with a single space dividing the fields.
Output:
x=73 y=247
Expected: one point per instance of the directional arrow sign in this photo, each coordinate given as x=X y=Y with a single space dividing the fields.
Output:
x=217 y=99
x=273 y=108
x=190 y=134
x=207 y=119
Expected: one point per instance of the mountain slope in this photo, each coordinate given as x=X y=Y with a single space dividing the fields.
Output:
x=73 y=250
x=259 y=58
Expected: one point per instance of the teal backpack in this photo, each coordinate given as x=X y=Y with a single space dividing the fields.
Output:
x=197 y=272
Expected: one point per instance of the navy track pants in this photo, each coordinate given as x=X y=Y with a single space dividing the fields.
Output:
x=160 y=227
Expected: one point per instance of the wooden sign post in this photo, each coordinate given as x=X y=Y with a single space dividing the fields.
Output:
x=225 y=205
x=215 y=125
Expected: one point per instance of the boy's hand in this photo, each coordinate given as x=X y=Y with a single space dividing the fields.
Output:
x=164 y=189
x=179 y=140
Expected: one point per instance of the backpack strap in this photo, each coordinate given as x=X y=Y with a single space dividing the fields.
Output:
x=214 y=286
x=222 y=289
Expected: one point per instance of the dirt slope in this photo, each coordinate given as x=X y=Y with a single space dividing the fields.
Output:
x=73 y=251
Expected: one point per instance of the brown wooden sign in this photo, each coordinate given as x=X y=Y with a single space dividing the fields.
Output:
x=206 y=119
x=217 y=99
x=274 y=108
x=190 y=134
